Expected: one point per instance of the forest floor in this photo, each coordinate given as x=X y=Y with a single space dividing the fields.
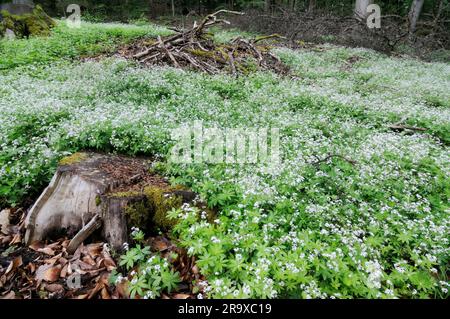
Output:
x=356 y=208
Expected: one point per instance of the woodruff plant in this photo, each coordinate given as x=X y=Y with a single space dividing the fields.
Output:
x=149 y=275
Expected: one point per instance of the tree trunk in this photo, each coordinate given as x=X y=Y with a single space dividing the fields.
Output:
x=414 y=13
x=439 y=12
x=268 y=5
x=312 y=5
x=151 y=8
x=361 y=9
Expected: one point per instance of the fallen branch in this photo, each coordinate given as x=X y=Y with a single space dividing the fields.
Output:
x=94 y=224
x=330 y=156
x=266 y=37
x=196 y=49
x=170 y=55
x=405 y=127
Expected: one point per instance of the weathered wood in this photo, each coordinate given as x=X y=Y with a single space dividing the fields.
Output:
x=115 y=225
x=396 y=127
x=84 y=233
x=91 y=190
x=75 y=195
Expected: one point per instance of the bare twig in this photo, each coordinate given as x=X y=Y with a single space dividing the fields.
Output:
x=405 y=127
x=330 y=156
x=169 y=54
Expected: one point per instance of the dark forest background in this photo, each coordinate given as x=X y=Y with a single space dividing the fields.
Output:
x=132 y=9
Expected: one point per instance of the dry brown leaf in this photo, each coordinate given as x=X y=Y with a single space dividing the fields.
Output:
x=31 y=267
x=79 y=271
x=164 y=296
x=160 y=244
x=181 y=296
x=63 y=273
x=83 y=296
x=47 y=251
x=99 y=286
x=48 y=273
x=5 y=239
x=17 y=239
x=83 y=266
x=95 y=272
x=88 y=260
x=14 y=264
x=109 y=264
x=55 y=246
x=65 y=243
x=3 y=280
x=54 y=288
x=53 y=260
x=195 y=270
x=122 y=289
x=69 y=269
x=63 y=261
x=77 y=253
x=105 y=294
x=93 y=250
x=36 y=245
x=9 y=295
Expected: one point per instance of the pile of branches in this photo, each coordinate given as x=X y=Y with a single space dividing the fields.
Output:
x=195 y=48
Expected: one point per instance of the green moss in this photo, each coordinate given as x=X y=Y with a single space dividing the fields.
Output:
x=125 y=194
x=98 y=200
x=161 y=201
x=138 y=215
x=72 y=159
x=35 y=23
x=201 y=53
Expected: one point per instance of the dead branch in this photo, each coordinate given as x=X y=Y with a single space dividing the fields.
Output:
x=330 y=156
x=170 y=55
x=405 y=127
x=195 y=48
x=84 y=233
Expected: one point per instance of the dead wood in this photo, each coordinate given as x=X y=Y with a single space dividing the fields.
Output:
x=330 y=156
x=406 y=127
x=195 y=48
x=84 y=233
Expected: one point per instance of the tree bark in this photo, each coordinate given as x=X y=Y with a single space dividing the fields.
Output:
x=361 y=9
x=151 y=8
x=268 y=5
x=439 y=12
x=312 y=5
x=414 y=13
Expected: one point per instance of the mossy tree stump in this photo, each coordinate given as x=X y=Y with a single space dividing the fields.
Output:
x=120 y=190
x=25 y=23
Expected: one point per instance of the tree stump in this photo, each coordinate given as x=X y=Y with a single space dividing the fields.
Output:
x=24 y=20
x=89 y=188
